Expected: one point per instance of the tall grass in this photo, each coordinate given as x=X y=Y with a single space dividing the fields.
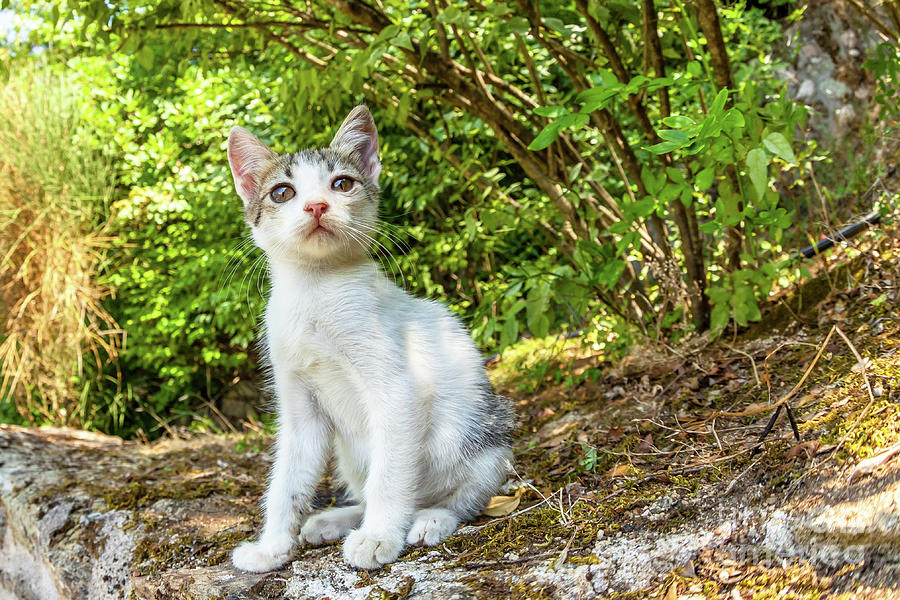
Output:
x=53 y=192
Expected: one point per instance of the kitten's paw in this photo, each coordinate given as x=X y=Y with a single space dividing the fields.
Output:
x=259 y=557
x=364 y=550
x=430 y=526
x=330 y=525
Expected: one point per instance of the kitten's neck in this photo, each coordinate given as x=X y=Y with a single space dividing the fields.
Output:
x=286 y=273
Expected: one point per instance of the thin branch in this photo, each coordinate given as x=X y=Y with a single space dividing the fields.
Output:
x=654 y=50
x=895 y=35
x=441 y=32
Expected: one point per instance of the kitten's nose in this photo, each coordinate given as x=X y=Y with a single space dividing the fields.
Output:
x=317 y=209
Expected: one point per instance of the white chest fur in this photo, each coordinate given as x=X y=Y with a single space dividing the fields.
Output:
x=323 y=328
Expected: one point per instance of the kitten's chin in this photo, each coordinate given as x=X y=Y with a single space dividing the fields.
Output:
x=318 y=249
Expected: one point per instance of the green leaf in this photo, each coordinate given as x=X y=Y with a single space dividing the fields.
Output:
x=670 y=192
x=549 y=133
x=719 y=103
x=519 y=25
x=618 y=228
x=596 y=98
x=641 y=208
x=778 y=145
x=675 y=175
x=577 y=120
x=510 y=331
x=402 y=40
x=452 y=14
x=144 y=57
x=553 y=112
x=555 y=24
x=733 y=118
x=536 y=307
x=659 y=82
x=498 y=10
x=664 y=147
x=673 y=135
x=757 y=170
x=653 y=181
x=604 y=78
x=709 y=227
x=704 y=178
x=678 y=122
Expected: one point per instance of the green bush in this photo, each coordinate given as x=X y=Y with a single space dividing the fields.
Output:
x=553 y=191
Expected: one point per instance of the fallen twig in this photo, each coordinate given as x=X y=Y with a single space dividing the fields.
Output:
x=870 y=464
x=786 y=397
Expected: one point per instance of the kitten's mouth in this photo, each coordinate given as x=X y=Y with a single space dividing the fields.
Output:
x=319 y=229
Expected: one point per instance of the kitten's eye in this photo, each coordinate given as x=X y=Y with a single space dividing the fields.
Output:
x=281 y=193
x=343 y=184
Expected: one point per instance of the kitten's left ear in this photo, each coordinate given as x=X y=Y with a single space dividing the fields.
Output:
x=247 y=155
x=358 y=137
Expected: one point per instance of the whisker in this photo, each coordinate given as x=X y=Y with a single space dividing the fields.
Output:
x=379 y=248
x=361 y=238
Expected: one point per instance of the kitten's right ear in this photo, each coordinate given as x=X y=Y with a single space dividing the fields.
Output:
x=247 y=155
x=358 y=137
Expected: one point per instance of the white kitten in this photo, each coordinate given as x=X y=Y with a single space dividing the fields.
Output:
x=392 y=384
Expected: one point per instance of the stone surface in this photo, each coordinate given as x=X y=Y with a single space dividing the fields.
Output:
x=823 y=69
x=70 y=531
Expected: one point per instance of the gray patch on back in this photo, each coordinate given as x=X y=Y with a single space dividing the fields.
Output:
x=493 y=426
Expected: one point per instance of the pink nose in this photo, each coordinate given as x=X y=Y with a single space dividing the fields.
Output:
x=317 y=209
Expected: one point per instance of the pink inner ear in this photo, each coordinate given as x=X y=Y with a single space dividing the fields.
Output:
x=372 y=162
x=247 y=183
x=245 y=153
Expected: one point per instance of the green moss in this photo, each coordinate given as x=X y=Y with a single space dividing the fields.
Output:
x=271 y=586
x=140 y=494
x=532 y=533
x=379 y=593
x=153 y=554
x=798 y=582
x=531 y=590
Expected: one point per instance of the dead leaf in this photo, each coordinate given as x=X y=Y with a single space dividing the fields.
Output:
x=672 y=593
x=615 y=435
x=556 y=440
x=870 y=464
x=619 y=471
x=806 y=399
x=500 y=506
x=646 y=444
x=809 y=448
x=755 y=407
x=730 y=576
x=825 y=449
x=864 y=365
x=688 y=570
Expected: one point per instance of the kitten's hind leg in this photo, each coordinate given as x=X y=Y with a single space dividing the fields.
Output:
x=431 y=526
x=331 y=524
x=484 y=474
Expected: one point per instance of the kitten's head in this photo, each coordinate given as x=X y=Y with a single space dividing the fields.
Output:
x=313 y=206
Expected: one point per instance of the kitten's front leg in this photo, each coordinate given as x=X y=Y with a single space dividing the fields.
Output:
x=390 y=488
x=300 y=453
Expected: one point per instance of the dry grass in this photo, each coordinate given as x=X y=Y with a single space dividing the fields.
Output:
x=53 y=190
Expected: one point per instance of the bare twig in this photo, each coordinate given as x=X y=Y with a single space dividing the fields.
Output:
x=786 y=397
x=752 y=363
